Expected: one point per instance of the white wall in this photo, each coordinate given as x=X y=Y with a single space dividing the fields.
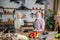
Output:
x=58 y=13
x=51 y=4
x=6 y=3
x=28 y=3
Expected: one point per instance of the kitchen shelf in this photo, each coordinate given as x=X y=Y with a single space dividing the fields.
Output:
x=7 y=14
x=20 y=9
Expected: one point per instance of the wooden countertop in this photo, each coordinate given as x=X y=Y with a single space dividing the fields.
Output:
x=51 y=36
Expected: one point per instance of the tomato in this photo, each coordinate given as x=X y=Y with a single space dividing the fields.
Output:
x=33 y=34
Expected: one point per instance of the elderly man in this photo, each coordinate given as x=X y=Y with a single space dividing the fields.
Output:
x=18 y=22
x=39 y=25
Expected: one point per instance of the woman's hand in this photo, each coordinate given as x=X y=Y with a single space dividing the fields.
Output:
x=17 y=28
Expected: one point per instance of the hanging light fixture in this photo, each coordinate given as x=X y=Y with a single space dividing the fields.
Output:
x=17 y=1
x=22 y=7
x=42 y=2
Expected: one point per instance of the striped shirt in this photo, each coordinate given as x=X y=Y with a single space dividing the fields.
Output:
x=39 y=24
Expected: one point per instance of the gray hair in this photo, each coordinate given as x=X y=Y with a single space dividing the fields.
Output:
x=38 y=12
x=19 y=13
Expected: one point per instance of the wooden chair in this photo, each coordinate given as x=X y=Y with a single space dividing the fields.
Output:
x=57 y=22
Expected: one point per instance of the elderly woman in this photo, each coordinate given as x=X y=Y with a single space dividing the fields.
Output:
x=18 y=22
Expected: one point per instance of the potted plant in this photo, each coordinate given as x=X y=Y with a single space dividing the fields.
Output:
x=50 y=20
